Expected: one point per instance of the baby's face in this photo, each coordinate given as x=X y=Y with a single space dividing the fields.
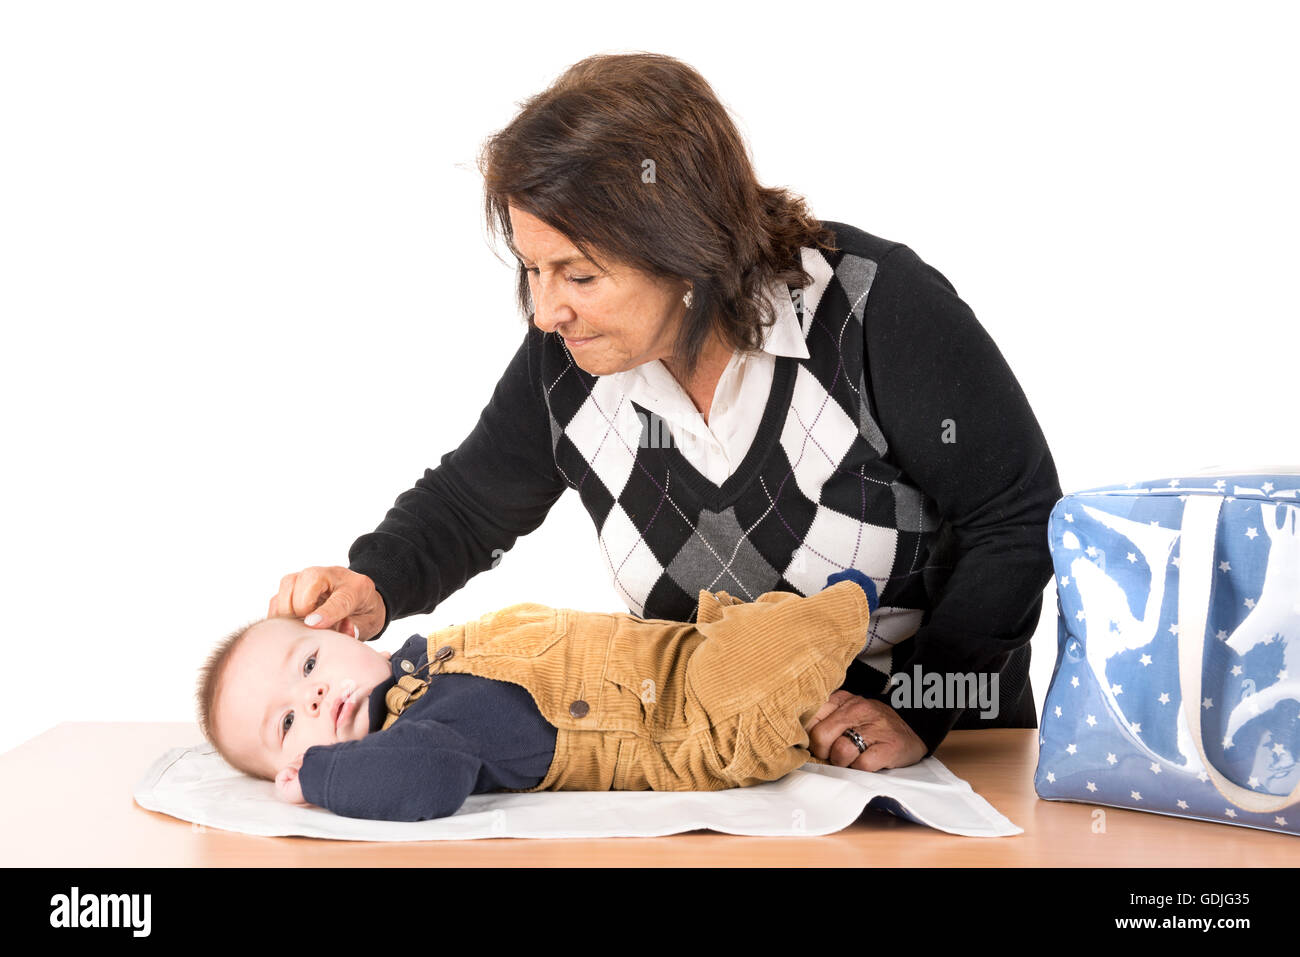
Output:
x=288 y=687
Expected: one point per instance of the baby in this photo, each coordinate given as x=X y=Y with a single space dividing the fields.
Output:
x=533 y=698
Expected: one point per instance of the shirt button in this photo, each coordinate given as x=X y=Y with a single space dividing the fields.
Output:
x=443 y=653
x=407 y=666
x=579 y=708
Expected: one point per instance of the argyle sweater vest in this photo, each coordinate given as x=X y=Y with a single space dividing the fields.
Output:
x=814 y=495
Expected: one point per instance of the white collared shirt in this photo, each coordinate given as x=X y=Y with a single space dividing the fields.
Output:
x=717 y=448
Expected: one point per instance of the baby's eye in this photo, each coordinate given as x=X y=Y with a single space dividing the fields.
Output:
x=286 y=724
x=308 y=665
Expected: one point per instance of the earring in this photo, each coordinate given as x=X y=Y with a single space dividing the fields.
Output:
x=689 y=297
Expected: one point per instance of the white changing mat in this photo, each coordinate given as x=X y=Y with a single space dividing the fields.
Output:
x=196 y=784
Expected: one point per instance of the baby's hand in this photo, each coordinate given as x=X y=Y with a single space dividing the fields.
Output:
x=287 y=786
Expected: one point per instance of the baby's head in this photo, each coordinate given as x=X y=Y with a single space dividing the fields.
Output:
x=273 y=689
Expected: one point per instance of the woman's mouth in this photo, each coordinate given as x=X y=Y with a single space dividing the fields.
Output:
x=574 y=343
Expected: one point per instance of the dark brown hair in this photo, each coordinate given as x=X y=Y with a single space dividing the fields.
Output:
x=578 y=157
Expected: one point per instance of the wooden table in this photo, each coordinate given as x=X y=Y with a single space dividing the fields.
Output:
x=67 y=803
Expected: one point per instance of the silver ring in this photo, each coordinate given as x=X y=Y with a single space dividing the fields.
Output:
x=856 y=739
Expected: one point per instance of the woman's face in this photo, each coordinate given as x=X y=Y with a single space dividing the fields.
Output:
x=611 y=320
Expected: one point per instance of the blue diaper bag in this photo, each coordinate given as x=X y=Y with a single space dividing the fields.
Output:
x=1177 y=681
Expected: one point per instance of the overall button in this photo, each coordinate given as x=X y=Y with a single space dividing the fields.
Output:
x=407 y=666
x=443 y=653
x=579 y=708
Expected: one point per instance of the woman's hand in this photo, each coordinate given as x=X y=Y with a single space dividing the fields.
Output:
x=890 y=742
x=331 y=597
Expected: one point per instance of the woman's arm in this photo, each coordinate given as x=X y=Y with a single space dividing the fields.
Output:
x=960 y=428
x=463 y=515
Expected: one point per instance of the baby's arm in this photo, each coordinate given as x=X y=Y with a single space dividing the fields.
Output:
x=416 y=770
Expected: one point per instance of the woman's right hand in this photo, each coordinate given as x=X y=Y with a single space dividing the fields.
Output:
x=331 y=597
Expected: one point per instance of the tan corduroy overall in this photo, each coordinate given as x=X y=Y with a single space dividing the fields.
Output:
x=650 y=704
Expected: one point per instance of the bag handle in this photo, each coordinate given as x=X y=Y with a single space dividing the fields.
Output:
x=1196 y=556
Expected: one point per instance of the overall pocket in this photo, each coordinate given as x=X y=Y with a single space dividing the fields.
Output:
x=522 y=630
x=647 y=661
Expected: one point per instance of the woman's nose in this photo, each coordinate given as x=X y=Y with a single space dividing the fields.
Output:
x=549 y=311
x=543 y=320
x=546 y=318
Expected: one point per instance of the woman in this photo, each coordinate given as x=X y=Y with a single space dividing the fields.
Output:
x=746 y=399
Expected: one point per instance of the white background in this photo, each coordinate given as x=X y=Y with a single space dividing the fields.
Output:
x=247 y=298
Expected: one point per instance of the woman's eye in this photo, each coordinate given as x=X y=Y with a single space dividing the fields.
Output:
x=580 y=280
